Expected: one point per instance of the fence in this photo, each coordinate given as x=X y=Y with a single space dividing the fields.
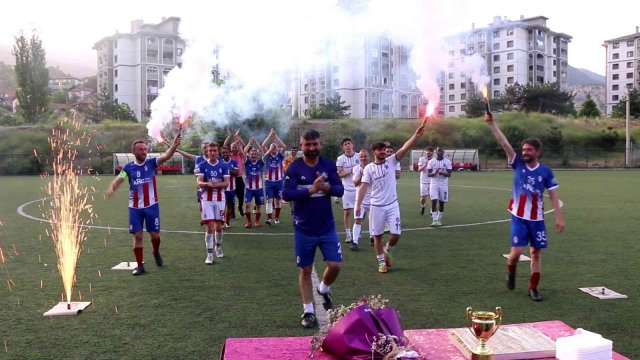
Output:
x=489 y=159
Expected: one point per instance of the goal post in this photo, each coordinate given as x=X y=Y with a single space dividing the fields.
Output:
x=466 y=159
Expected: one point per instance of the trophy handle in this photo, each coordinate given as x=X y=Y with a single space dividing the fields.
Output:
x=468 y=316
x=498 y=318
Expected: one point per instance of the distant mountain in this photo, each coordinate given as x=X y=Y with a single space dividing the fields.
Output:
x=584 y=77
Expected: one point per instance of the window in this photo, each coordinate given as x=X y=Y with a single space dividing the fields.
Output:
x=615 y=66
x=179 y=52
x=496 y=69
x=306 y=99
x=452 y=97
x=616 y=56
x=615 y=77
x=463 y=96
x=496 y=81
x=496 y=46
x=629 y=53
x=614 y=98
x=115 y=88
x=496 y=34
x=496 y=93
x=463 y=107
x=463 y=85
x=630 y=43
x=452 y=86
x=615 y=88
x=463 y=52
x=510 y=56
x=555 y=74
x=616 y=45
x=336 y=82
x=115 y=73
x=452 y=108
x=629 y=75
x=510 y=43
x=554 y=62
x=509 y=32
x=510 y=80
x=306 y=87
x=450 y=75
x=115 y=59
x=630 y=65
x=509 y=68
x=629 y=86
x=496 y=57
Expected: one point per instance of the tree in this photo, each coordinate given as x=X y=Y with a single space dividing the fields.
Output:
x=59 y=97
x=620 y=109
x=543 y=98
x=32 y=78
x=91 y=82
x=475 y=106
x=334 y=108
x=589 y=108
x=103 y=108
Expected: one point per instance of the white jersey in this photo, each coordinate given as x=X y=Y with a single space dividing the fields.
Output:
x=357 y=172
x=382 y=181
x=424 y=174
x=347 y=162
x=435 y=164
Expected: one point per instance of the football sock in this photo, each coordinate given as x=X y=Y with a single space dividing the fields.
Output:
x=380 y=258
x=269 y=208
x=218 y=238
x=440 y=214
x=324 y=288
x=349 y=236
x=278 y=212
x=308 y=308
x=357 y=229
x=138 y=253
x=512 y=268
x=434 y=215
x=534 y=280
x=258 y=216
x=248 y=215
x=155 y=243
x=208 y=240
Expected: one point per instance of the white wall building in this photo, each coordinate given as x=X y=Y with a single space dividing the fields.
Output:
x=132 y=66
x=623 y=68
x=369 y=73
x=524 y=51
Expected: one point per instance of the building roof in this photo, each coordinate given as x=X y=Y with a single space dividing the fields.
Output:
x=81 y=88
x=623 y=38
x=144 y=29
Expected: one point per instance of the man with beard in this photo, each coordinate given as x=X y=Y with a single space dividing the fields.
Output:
x=439 y=170
x=530 y=179
x=424 y=177
x=143 y=198
x=310 y=182
x=273 y=159
x=230 y=192
x=380 y=176
x=213 y=179
x=236 y=147
x=366 y=202
x=253 y=166
x=345 y=164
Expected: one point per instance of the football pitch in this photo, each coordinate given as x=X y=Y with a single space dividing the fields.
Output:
x=187 y=309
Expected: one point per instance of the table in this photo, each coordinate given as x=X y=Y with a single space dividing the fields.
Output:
x=432 y=343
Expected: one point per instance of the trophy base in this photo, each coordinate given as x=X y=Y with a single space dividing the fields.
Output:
x=475 y=356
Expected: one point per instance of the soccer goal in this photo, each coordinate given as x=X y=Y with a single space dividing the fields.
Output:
x=465 y=159
x=175 y=165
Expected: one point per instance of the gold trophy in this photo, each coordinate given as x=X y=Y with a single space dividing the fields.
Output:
x=483 y=324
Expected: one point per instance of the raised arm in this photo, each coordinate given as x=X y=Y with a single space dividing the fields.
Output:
x=169 y=153
x=409 y=143
x=186 y=154
x=248 y=146
x=508 y=149
x=228 y=138
x=279 y=143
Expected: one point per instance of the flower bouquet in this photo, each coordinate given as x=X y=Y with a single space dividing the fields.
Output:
x=366 y=329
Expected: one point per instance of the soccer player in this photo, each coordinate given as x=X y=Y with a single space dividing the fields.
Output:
x=439 y=170
x=253 y=166
x=363 y=156
x=143 y=198
x=345 y=164
x=236 y=147
x=213 y=178
x=230 y=191
x=424 y=177
x=530 y=179
x=381 y=178
x=197 y=159
x=310 y=182
x=273 y=159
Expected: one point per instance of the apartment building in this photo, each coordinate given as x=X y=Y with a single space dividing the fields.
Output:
x=132 y=66
x=523 y=51
x=623 y=68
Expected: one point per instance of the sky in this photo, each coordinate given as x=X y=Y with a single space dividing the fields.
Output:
x=70 y=28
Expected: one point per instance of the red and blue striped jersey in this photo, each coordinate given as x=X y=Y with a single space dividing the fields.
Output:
x=253 y=173
x=528 y=189
x=213 y=173
x=275 y=170
x=143 y=191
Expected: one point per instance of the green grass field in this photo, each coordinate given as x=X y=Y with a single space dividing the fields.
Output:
x=187 y=309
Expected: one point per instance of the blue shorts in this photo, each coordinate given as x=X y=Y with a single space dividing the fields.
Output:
x=150 y=216
x=229 y=197
x=274 y=189
x=525 y=232
x=254 y=194
x=305 y=247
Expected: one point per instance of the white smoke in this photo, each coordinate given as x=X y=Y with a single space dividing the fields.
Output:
x=262 y=45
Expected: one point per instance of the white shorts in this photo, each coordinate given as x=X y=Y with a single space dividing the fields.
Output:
x=379 y=216
x=349 y=200
x=439 y=192
x=424 y=189
x=211 y=211
x=364 y=209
